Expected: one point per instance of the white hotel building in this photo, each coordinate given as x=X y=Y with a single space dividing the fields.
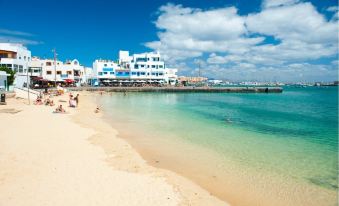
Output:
x=145 y=67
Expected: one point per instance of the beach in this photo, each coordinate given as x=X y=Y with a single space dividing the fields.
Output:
x=77 y=159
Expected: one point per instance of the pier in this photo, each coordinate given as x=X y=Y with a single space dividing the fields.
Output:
x=184 y=89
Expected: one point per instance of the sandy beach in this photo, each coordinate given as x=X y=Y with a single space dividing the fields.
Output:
x=77 y=159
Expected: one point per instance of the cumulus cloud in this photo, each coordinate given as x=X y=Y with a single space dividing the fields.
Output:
x=300 y=22
x=284 y=32
x=198 y=31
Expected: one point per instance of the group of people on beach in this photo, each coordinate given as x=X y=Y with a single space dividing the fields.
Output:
x=47 y=100
x=39 y=101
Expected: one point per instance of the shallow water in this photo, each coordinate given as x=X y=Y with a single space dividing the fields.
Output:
x=249 y=149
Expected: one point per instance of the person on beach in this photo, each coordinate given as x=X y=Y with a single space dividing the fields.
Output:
x=76 y=99
x=47 y=101
x=38 y=101
x=60 y=109
x=72 y=102
x=97 y=110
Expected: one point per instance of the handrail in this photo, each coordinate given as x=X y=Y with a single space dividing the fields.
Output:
x=32 y=91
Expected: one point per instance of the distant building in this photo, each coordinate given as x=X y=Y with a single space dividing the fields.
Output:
x=192 y=79
x=16 y=57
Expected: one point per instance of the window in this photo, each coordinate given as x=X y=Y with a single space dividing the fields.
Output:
x=69 y=72
x=142 y=66
x=100 y=73
x=138 y=73
x=153 y=66
x=105 y=65
x=147 y=66
x=24 y=57
x=160 y=74
x=25 y=70
x=28 y=58
x=134 y=73
x=120 y=73
x=127 y=73
x=160 y=66
x=48 y=72
x=141 y=59
x=111 y=73
x=48 y=63
x=142 y=73
x=19 y=57
x=105 y=72
x=20 y=66
x=136 y=66
x=20 y=70
x=58 y=72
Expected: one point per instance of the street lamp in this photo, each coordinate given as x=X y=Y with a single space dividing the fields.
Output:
x=27 y=84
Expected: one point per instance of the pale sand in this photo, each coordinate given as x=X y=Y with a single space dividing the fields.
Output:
x=77 y=159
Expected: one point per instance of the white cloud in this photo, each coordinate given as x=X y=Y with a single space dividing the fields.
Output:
x=296 y=22
x=198 y=31
x=277 y=3
x=284 y=34
x=332 y=9
x=13 y=36
x=11 y=39
x=287 y=73
x=13 y=32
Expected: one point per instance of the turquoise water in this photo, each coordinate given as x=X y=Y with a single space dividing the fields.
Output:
x=289 y=139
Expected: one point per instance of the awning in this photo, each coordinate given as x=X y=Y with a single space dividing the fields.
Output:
x=69 y=80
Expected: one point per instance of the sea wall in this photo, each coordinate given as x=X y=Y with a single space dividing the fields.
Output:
x=184 y=89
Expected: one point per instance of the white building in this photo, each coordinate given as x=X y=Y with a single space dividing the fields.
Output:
x=48 y=69
x=105 y=69
x=16 y=57
x=145 y=67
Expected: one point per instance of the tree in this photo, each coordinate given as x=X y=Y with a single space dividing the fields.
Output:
x=9 y=71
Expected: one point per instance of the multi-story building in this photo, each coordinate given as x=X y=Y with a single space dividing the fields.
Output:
x=16 y=57
x=50 y=70
x=145 y=67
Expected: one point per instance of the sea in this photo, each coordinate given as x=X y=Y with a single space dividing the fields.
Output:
x=244 y=148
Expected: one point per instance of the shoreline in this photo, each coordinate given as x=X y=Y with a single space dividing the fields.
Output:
x=125 y=157
x=77 y=159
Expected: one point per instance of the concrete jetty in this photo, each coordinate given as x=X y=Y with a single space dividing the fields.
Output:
x=183 y=89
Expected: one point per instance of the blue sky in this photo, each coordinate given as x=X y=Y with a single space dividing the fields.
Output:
x=283 y=40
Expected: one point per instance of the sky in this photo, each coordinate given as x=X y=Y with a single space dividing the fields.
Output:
x=244 y=40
